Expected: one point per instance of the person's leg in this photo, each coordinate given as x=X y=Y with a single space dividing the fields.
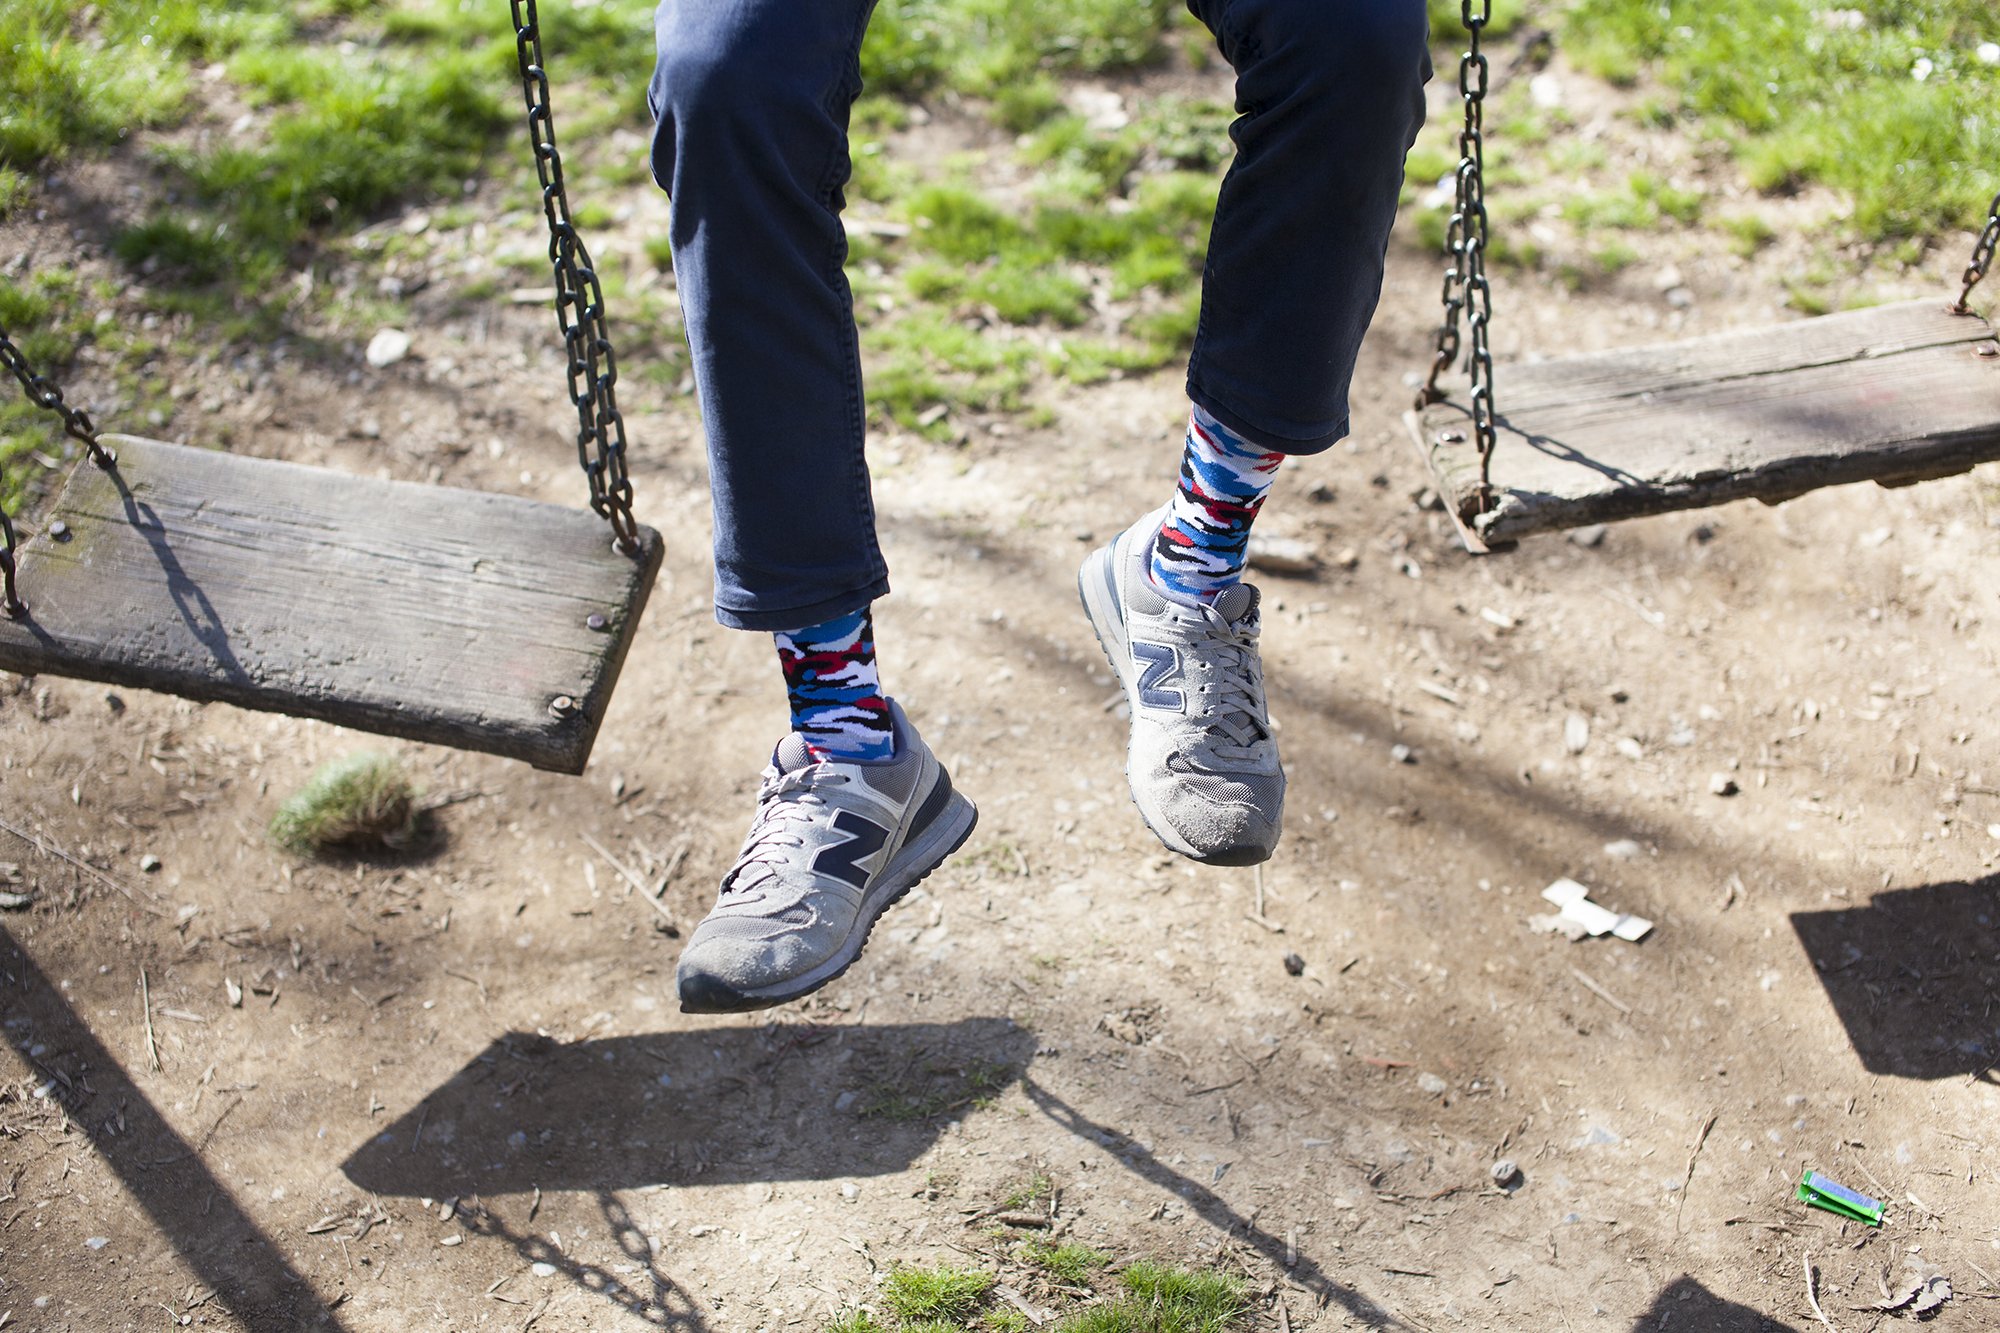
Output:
x=1331 y=96
x=752 y=98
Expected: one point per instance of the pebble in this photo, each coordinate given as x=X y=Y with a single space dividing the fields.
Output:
x=1629 y=747
x=98 y=1242
x=387 y=347
x=844 y=1102
x=1588 y=537
x=1505 y=1172
x=1295 y=965
x=1402 y=754
x=543 y=1270
x=1622 y=850
x=1721 y=784
x=149 y=863
x=1431 y=1083
x=1281 y=555
x=850 y=1192
x=1576 y=733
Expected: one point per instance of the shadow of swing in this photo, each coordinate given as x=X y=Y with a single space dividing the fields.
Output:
x=1685 y=1304
x=708 y=1107
x=1914 y=977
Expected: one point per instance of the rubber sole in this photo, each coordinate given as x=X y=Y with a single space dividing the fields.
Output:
x=1097 y=587
x=944 y=835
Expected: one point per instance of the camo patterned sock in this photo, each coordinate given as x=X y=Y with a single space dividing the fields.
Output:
x=1203 y=543
x=834 y=690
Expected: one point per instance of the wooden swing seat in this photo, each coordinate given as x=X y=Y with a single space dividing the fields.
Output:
x=1894 y=395
x=479 y=621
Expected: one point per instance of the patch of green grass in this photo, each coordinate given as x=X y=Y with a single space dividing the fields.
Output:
x=1004 y=1320
x=362 y=803
x=855 y=1321
x=1163 y=1299
x=914 y=47
x=1749 y=233
x=944 y=1294
x=1029 y=1192
x=1645 y=203
x=1072 y=1262
x=1895 y=112
x=936 y=1089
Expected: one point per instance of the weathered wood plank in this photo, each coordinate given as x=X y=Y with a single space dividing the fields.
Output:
x=1852 y=335
x=1768 y=414
x=425 y=612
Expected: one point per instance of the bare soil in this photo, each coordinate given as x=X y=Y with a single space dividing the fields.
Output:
x=456 y=1091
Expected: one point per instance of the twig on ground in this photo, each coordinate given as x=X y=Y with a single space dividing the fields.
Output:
x=474 y=980
x=1812 y=1295
x=146 y=1003
x=1600 y=992
x=51 y=849
x=1688 y=1178
x=632 y=879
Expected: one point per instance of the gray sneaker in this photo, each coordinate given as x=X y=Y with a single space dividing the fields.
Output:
x=833 y=844
x=1202 y=763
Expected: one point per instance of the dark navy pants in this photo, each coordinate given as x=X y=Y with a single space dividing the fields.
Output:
x=752 y=100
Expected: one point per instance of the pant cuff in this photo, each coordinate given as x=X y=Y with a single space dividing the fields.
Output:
x=800 y=617
x=1259 y=434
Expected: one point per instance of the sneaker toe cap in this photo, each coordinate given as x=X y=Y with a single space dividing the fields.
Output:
x=722 y=974
x=1221 y=831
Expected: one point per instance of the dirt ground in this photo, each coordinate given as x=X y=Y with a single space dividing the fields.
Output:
x=456 y=1092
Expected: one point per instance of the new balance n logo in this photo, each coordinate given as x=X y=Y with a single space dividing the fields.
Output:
x=843 y=859
x=1163 y=663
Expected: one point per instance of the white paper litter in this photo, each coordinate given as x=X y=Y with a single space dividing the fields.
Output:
x=1587 y=917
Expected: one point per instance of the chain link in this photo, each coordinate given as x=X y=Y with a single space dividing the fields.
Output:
x=593 y=370
x=44 y=393
x=1982 y=255
x=1466 y=291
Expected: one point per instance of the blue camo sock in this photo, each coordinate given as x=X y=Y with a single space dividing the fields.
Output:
x=835 y=691
x=1205 y=540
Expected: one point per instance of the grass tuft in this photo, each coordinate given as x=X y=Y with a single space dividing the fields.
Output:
x=943 y=1294
x=363 y=803
x=1072 y=1262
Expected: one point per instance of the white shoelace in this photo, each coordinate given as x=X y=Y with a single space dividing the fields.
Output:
x=1239 y=715
x=783 y=800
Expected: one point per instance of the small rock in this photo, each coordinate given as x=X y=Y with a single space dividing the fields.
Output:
x=1589 y=537
x=1680 y=298
x=1281 y=555
x=1576 y=733
x=1295 y=965
x=1402 y=754
x=1545 y=90
x=1622 y=850
x=387 y=347
x=456 y=1238
x=1322 y=494
x=1721 y=784
x=149 y=863
x=1667 y=278
x=234 y=992
x=114 y=703
x=1629 y=747
x=371 y=429
x=1431 y=1083
x=1505 y=1172
x=844 y=1103
x=542 y=1269
x=850 y=1191
x=1348 y=557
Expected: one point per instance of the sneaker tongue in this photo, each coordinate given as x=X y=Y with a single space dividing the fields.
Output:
x=1235 y=602
x=792 y=754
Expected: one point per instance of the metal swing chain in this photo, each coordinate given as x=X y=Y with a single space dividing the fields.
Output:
x=42 y=392
x=1982 y=255
x=593 y=370
x=1465 y=286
